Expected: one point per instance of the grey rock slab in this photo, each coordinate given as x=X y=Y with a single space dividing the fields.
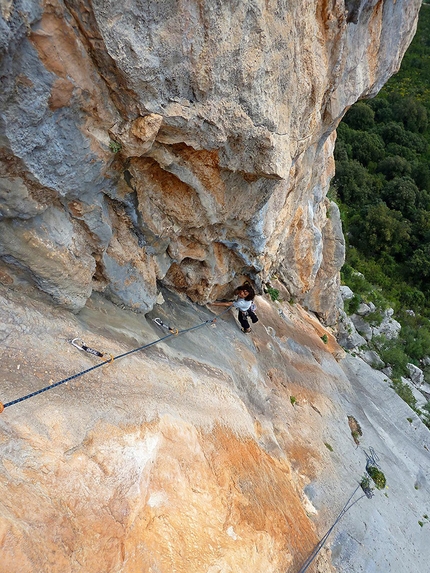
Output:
x=15 y=200
x=362 y=326
x=373 y=359
x=419 y=396
x=389 y=328
x=51 y=255
x=382 y=535
x=363 y=309
x=348 y=337
x=345 y=292
x=415 y=374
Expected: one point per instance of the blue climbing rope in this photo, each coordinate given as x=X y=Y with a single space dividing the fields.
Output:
x=322 y=541
x=372 y=459
x=110 y=360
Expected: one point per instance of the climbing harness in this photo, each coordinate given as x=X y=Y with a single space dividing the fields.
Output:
x=160 y=323
x=80 y=345
x=172 y=332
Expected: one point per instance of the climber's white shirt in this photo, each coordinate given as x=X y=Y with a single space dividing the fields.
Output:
x=242 y=304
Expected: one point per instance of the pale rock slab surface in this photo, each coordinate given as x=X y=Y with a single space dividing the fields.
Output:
x=191 y=455
x=415 y=374
x=389 y=327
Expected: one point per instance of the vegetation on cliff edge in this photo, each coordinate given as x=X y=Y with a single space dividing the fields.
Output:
x=382 y=186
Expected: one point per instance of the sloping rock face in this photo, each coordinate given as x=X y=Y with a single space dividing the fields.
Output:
x=183 y=142
x=210 y=452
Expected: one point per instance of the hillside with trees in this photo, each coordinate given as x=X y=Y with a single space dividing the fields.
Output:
x=382 y=186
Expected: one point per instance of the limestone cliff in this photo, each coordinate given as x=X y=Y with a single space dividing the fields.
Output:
x=182 y=142
x=168 y=148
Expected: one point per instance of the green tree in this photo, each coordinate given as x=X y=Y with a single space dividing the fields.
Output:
x=342 y=151
x=400 y=194
x=363 y=146
x=410 y=112
x=403 y=151
x=382 y=109
x=416 y=339
x=419 y=264
x=360 y=116
x=377 y=229
x=394 y=166
x=421 y=175
x=382 y=184
x=421 y=227
x=367 y=147
x=411 y=297
x=355 y=184
x=392 y=353
x=394 y=132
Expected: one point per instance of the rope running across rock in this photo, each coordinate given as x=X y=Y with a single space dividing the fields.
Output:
x=109 y=361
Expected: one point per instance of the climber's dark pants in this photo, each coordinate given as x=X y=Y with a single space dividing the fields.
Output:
x=243 y=318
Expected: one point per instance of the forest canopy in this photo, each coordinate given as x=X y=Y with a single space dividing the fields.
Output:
x=382 y=187
x=382 y=180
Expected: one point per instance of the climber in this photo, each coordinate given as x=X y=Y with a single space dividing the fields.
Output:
x=244 y=304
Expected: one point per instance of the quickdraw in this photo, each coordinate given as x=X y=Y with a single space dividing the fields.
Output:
x=80 y=345
x=372 y=458
x=160 y=323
